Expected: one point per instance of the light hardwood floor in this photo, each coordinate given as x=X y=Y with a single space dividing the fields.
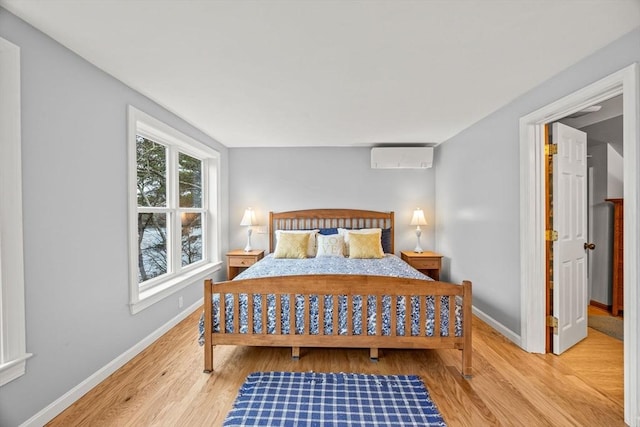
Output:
x=165 y=385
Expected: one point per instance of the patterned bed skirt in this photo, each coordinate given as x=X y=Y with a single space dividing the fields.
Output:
x=285 y=322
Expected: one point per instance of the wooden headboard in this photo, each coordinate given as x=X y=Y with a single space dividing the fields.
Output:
x=310 y=219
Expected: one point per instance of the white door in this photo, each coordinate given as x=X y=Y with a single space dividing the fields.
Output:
x=570 y=221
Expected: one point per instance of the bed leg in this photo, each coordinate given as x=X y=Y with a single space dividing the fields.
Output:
x=295 y=353
x=208 y=326
x=466 y=364
x=373 y=354
x=208 y=359
x=467 y=350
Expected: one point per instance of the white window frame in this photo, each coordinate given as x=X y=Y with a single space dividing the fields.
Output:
x=13 y=348
x=153 y=290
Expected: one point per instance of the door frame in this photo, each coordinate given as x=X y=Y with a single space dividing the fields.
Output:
x=532 y=219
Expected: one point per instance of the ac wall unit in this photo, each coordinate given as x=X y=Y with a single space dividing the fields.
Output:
x=401 y=157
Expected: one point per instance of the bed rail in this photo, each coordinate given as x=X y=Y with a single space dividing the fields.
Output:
x=349 y=286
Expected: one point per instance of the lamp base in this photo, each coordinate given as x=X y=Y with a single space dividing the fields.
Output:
x=418 y=248
x=248 y=248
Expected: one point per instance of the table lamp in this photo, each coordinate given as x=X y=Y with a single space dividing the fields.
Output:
x=248 y=220
x=418 y=220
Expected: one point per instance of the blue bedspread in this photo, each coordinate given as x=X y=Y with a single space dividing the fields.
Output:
x=390 y=265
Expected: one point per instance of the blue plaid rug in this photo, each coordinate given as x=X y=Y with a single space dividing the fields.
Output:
x=317 y=399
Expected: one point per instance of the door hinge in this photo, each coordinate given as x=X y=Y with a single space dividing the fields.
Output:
x=550 y=149
x=551 y=235
x=552 y=322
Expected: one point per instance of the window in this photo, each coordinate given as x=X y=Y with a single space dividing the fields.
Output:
x=13 y=349
x=174 y=198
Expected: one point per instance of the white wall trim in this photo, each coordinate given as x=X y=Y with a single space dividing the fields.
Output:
x=508 y=333
x=13 y=348
x=158 y=293
x=532 y=250
x=631 y=138
x=66 y=400
x=142 y=296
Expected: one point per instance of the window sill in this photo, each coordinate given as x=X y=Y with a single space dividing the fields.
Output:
x=13 y=369
x=151 y=296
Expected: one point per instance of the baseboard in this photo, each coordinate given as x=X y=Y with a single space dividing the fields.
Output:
x=600 y=305
x=66 y=400
x=508 y=333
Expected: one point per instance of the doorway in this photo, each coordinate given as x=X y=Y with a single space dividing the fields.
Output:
x=594 y=302
x=532 y=215
x=603 y=124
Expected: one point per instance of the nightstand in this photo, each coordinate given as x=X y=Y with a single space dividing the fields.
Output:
x=238 y=259
x=427 y=262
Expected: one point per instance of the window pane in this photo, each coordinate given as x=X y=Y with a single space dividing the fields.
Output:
x=191 y=238
x=151 y=159
x=152 y=245
x=190 y=185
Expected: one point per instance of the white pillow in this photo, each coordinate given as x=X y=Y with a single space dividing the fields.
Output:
x=330 y=245
x=311 y=248
x=344 y=232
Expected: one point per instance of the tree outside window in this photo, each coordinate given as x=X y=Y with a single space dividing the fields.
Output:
x=158 y=207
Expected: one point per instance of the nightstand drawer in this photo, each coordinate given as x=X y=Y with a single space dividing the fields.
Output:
x=425 y=264
x=237 y=260
x=241 y=261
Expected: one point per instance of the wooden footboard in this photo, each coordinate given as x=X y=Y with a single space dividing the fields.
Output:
x=349 y=286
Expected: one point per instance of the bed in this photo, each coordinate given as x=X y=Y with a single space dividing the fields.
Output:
x=336 y=301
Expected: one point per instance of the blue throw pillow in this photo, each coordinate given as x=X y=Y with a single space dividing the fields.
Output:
x=385 y=239
x=328 y=231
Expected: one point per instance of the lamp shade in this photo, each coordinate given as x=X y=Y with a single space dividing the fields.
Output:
x=418 y=218
x=249 y=218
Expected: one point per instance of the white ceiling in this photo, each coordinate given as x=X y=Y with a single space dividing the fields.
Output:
x=331 y=73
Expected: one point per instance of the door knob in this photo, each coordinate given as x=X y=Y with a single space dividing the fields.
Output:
x=590 y=246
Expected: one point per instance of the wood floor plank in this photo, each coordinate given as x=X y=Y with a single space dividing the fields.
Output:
x=165 y=386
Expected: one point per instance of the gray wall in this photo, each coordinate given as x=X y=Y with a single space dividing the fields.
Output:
x=74 y=163
x=601 y=226
x=281 y=179
x=615 y=172
x=477 y=187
